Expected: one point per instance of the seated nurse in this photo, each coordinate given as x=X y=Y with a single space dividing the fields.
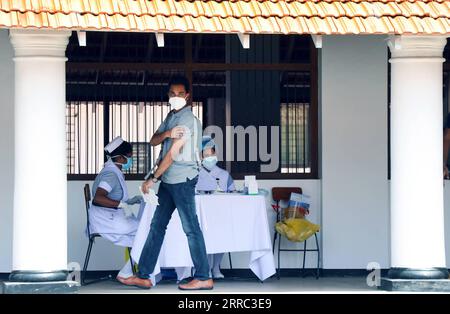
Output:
x=210 y=174
x=209 y=177
x=110 y=211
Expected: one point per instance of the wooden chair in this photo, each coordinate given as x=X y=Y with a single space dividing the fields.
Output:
x=280 y=194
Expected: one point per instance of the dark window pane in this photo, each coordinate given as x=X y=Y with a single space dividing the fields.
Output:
x=295 y=49
x=208 y=48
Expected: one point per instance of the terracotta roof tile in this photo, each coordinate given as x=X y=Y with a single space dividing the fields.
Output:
x=250 y=16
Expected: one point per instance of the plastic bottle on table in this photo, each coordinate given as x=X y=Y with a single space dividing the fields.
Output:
x=218 y=188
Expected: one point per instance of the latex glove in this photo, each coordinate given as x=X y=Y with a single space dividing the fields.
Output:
x=150 y=197
x=135 y=200
x=129 y=210
x=122 y=204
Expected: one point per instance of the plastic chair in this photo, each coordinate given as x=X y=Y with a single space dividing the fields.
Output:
x=280 y=194
x=92 y=237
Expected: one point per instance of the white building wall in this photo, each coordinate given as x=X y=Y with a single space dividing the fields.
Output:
x=354 y=151
x=354 y=165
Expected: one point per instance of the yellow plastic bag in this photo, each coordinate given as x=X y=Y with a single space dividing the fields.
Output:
x=296 y=229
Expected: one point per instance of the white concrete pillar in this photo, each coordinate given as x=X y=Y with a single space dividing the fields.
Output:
x=417 y=202
x=40 y=188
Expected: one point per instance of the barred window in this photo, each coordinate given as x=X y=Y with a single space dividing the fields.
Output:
x=136 y=122
x=85 y=133
x=117 y=86
x=295 y=138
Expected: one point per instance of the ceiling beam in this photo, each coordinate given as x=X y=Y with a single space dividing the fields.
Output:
x=159 y=39
x=317 y=39
x=197 y=46
x=148 y=55
x=103 y=46
x=245 y=40
x=102 y=54
x=395 y=42
x=290 y=49
x=81 y=38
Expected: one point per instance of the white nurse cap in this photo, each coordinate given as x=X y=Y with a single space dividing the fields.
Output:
x=112 y=146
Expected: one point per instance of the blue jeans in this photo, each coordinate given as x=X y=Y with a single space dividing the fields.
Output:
x=182 y=197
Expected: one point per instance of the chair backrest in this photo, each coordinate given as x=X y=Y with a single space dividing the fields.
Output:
x=87 y=199
x=87 y=195
x=284 y=193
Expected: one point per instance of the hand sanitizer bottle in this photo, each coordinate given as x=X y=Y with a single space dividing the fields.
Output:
x=218 y=188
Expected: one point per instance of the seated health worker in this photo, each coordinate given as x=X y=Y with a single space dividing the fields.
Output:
x=110 y=213
x=209 y=177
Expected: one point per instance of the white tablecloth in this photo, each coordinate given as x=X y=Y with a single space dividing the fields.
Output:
x=230 y=223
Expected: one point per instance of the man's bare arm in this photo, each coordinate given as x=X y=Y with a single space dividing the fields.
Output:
x=158 y=138
x=164 y=163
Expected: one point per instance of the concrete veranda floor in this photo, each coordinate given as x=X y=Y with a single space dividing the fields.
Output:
x=271 y=285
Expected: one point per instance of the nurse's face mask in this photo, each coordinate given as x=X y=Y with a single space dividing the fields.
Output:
x=126 y=166
x=209 y=162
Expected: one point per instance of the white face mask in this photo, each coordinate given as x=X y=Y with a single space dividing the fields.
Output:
x=177 y=103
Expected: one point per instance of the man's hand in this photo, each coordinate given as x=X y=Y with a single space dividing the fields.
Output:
x=446 y=175
x=146 y=186
x=177 y=132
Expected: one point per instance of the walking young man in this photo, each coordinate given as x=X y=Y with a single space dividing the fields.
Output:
x=180 y=135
